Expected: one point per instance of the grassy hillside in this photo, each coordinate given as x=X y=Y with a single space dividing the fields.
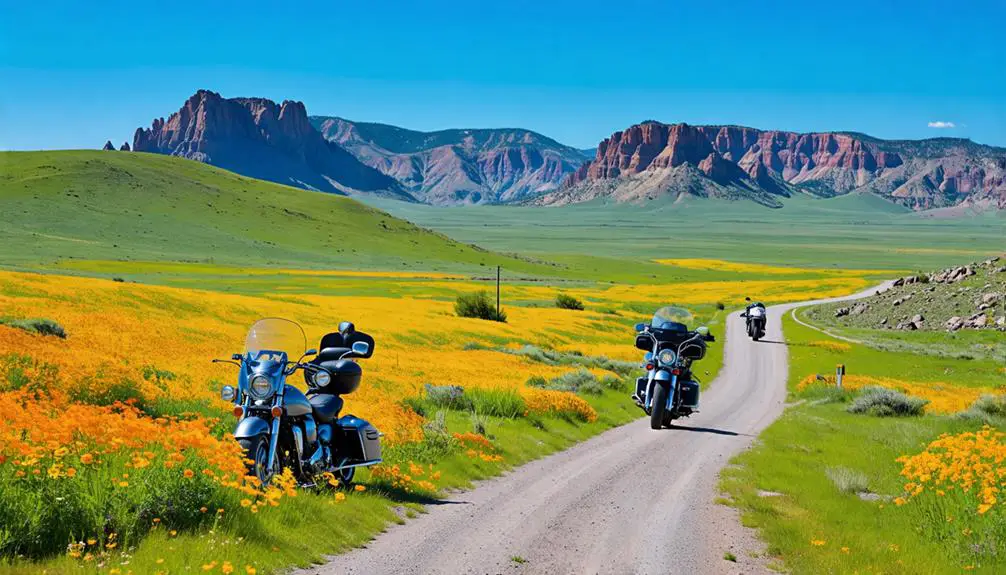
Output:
x=134 y=206
x=859 y=230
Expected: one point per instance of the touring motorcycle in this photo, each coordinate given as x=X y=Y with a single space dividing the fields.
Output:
x=279 y=426
x=755 y=317
x=669 y=390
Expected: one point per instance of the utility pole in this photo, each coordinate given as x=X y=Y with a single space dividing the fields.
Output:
x=497 y=291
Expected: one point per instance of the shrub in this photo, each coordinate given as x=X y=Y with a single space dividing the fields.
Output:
x=847 y=480
x=884 y=402
x=39 y=326
x=579 y=381
x=478 y=305
x=988 y=409
x=479 y=422
x=448 y=396
x=720 y=306
x=565 y=301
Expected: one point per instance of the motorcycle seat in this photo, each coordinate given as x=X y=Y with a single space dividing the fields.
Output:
x=326 y=407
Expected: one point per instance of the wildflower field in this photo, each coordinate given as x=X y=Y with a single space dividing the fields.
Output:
x=833 y=488
x=115 y=443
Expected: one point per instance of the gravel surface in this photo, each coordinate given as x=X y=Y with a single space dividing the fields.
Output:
x=631 y=500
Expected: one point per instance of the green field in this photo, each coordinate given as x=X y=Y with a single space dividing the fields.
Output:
x=857 y=231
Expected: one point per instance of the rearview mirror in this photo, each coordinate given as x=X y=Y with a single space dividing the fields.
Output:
x=703 y=331
x=747 y=299
x=311 y=352
x=640 y=327
x=360 y=348
x=236 y=356
x=346 y=327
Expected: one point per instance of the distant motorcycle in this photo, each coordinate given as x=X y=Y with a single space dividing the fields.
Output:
x=755 y=317
x=281 y=427
x=669 y=390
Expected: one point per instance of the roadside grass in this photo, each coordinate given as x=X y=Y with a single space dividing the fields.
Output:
x=839 y=474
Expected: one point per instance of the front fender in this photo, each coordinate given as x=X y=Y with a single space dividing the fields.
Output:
x=251 y=426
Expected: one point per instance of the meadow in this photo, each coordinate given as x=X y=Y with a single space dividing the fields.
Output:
x=835 y=491
x=143 y=458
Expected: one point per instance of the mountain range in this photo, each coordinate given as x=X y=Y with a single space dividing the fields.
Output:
x=279 y=142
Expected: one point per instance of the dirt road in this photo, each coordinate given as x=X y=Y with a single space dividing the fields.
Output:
x=631 y=500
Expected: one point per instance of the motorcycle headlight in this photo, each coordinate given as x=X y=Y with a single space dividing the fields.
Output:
x=322 y=378
x=227 y=393
x=666 y=357
x=261 y=386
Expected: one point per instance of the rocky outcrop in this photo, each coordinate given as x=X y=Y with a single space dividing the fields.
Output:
x=920 y=175
x=124 y=147
x=108 y=147
x=258 y=138
x=458 y=166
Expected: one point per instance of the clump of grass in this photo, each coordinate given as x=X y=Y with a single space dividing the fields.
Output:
x=883 y=402
x=566 y=301
x=40 y=326
x=506 y=403
x=553 y=357
x=479 y=422
x=478 y=305
x=728 y=556
x=847 y=480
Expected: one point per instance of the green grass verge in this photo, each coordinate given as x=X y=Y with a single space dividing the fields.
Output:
x=798 y=484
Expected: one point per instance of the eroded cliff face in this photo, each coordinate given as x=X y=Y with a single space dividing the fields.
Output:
x=922 y=175
x=259 y=138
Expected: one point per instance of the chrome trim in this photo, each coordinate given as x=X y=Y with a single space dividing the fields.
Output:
x=363 y=464
x=298 y=439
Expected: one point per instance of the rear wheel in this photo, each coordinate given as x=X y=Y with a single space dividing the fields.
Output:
x=658 y=404
x=257 y=452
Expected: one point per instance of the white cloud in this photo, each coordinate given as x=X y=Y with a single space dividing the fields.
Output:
x=942 y=125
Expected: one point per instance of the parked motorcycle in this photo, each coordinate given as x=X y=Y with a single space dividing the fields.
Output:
x=755 y=317
x=281 y=427
x=669 y=390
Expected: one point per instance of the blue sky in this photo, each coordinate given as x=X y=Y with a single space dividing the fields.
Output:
x=73 y=75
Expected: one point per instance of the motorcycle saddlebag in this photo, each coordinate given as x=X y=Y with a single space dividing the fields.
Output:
x=690 y=394
x=360 y=441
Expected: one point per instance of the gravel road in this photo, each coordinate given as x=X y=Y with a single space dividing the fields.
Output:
x=631 y=500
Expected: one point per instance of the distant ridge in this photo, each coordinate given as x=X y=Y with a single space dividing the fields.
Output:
x=652 y=159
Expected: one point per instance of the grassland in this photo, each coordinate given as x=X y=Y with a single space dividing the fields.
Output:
x=824 y=486
x=858 y=231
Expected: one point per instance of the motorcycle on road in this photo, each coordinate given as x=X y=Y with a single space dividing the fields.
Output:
x=755 y=317
x=279 y=426
x=669 y=390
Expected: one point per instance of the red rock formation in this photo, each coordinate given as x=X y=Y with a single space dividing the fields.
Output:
x=952 y=171
x=261 y=139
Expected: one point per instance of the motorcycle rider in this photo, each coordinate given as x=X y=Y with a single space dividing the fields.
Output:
x=754 y=318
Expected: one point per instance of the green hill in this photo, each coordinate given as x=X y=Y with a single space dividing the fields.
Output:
x=136 y=206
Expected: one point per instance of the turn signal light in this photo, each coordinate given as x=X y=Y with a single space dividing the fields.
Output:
x=276 y=411
x=239 y=411
x=649 y=366
x=675 y=372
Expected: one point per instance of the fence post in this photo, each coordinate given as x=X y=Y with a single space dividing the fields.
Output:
x=497 y=291
x=839 y=372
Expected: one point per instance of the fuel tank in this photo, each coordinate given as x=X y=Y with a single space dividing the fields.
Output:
x=295 y=401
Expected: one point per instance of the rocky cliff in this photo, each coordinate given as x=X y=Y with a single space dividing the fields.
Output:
x=654 y=159
x=258 y=138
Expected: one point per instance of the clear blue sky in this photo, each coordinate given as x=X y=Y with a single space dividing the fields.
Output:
x=73 y=75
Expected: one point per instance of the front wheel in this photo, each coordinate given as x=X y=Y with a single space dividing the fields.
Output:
x=658 y=404
x=257 y=452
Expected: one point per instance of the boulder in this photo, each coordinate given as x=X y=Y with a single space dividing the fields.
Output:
x=899 y=282
x=990 y=298
x=918 y=319
x=860 y=308
x=1001 y=322
x=953 y=324
x=842 y=312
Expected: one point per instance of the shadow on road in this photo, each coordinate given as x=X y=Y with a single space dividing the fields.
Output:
x=712 y=430
x=401 y=496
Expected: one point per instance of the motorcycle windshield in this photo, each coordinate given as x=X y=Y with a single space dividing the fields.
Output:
x=274 y=340
x=670 y=318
